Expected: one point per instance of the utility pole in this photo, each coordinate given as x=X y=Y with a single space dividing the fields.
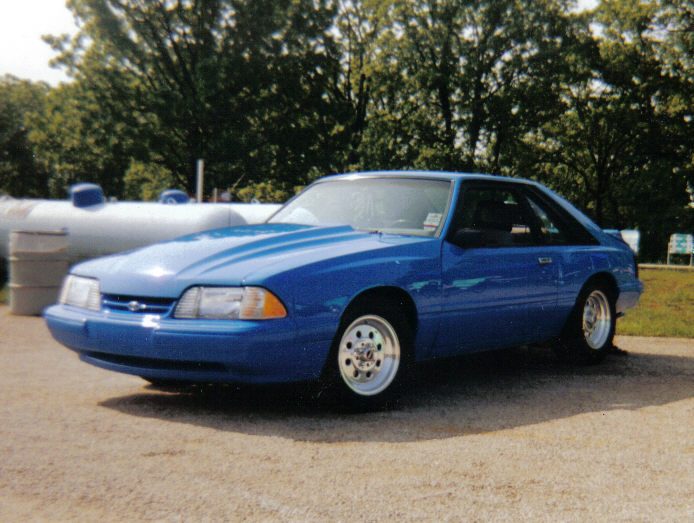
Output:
x=200 y=171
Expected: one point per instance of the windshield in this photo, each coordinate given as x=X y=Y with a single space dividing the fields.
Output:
x=409 y=206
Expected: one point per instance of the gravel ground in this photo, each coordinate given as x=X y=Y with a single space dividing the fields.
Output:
x=504 y=437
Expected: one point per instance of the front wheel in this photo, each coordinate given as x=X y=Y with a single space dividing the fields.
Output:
x=370 y=353
x=589 y=332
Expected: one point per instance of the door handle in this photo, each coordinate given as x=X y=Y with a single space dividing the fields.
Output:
x=544 y=260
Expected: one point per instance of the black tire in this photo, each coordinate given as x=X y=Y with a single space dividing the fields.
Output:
x=589 y=332
x=369 y=358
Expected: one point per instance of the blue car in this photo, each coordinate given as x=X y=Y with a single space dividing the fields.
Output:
x=352 y=281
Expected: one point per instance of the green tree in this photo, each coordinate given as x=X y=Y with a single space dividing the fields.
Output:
x=266 y=192
x=625 y=135
x=243 y=84
x=457 y=83
x=22 y=174
x=90 y=131
x=145 y=181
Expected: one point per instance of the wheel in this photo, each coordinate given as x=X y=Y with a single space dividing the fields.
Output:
x=369 y=356
x=589 y=332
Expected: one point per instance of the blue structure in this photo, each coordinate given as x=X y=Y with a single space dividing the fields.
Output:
x=173 y=196
x=86 y=195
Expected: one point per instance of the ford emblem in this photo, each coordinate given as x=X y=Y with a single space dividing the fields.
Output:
x=136 y=306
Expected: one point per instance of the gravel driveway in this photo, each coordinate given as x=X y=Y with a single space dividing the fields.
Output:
x=503 y=437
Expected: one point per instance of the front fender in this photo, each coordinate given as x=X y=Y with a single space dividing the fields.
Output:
x=322 y=291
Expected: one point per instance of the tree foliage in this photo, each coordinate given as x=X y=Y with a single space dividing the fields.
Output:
x=87 y=131
x=145 y=181
x=625 y=134
x=20 y=171
x=241 y=84
x=266 y=192
x=459 y=82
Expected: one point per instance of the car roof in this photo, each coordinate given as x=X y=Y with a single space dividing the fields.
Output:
x=437 y=175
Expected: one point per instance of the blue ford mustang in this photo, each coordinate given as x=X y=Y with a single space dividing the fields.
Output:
x=351 y=281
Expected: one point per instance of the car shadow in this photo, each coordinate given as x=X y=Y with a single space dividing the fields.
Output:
x=466 y=395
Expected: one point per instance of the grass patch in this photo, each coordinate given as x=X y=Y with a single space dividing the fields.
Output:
x=666 y=307
x=3 y=294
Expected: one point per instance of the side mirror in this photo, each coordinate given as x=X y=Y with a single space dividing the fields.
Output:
x=468 y=238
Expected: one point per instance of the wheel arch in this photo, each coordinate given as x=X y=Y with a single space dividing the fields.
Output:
x=387 y=293
x=604 y=280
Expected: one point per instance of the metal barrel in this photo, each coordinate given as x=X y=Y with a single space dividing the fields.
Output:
x=38 y=263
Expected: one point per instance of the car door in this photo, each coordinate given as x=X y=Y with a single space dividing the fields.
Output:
x=498 y=276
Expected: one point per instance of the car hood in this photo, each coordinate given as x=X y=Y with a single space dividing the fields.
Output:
x=231 y=256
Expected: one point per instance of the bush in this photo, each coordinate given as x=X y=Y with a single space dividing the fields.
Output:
x=144 y=181
x=266 y=192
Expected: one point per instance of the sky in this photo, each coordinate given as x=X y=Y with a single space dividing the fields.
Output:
x=22 y=51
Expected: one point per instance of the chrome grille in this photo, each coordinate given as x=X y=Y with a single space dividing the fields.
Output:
x=137 y=304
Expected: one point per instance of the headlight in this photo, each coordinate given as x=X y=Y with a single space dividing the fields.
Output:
x=81 y=292
x=229 y=303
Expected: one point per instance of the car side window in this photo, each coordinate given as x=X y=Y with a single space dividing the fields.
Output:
x=497 y=216
x=550 y=232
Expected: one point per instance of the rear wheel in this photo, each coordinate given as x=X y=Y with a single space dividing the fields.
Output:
x=589 y=332
x=369 y=357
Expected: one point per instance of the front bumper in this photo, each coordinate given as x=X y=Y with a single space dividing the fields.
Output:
x=206 y=351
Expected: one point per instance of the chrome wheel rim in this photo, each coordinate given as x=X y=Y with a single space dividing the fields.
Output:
x=369 y=355
x=597 y=319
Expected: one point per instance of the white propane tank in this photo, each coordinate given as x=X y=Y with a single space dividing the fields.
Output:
x=101 y=228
